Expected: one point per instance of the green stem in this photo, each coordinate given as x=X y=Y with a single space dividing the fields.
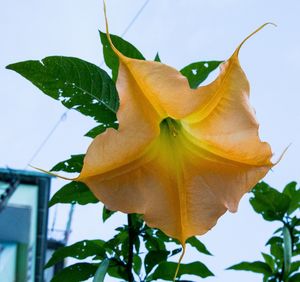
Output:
x=129 y=265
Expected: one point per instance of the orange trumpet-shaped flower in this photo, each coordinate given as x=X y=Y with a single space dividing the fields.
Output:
x=181 y=157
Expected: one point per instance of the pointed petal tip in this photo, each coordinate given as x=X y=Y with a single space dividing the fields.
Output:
x=116 y=51
x=51 y=173
x=251 y=34
x=282 y=155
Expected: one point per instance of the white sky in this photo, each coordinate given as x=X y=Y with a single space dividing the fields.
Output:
x=183 y=31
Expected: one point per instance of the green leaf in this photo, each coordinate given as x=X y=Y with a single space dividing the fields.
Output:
x=152 y=243
x=119 y=243
x=126 y=48
x=295 y=222
x=100 y=129
x=270 y=203
x=73 y=192
x=79 y=250
x=137 y=244
x=137 y=264
x=295 y=278
x=157 y=58
x=137 y=222
x=277 y=251
x=294 y=194
x=166 y=270
x=175 y=252
x=197 y=72
x=196 y=243
x=296 y=250
x=117 y=269
x=162 y=236
x=269 y=260
x=257 y=267
x=274 y=240
x=290 y=189
x=154 y=258
x=278 y=230
x=270 y=279
x=76 y=83
x=101 y=271
x=106 y=214
x=75 y=273
x=73 y=165
x=287 y=251
x=295 y=266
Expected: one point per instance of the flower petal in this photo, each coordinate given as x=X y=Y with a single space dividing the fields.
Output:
x=227 y=125
x=165 y=88
x=139 y=126
x=229 y=128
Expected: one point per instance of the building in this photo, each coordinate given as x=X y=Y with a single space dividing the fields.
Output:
x=25 y=241
x=23 y=225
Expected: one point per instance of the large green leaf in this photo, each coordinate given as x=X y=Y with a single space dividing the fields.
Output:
x=166 y=270
x=197 y=72
x=270 y=203
x=257 y=266
x=73 y=193
x=126 y=48
x=76 y=83
x=101 y=271
x=76 y=273
x=74 y=164
x=196 y=243
x=79 y=250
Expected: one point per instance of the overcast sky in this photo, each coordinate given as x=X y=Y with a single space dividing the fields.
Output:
x=183 y=31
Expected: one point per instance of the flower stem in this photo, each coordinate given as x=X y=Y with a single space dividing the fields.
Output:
x=178 y=264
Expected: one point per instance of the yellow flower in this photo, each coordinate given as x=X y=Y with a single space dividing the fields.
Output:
x=181 y=157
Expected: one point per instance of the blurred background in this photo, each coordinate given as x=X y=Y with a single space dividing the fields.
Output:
x=36 y=130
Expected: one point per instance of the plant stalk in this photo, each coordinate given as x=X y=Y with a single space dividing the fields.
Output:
x=129 y=265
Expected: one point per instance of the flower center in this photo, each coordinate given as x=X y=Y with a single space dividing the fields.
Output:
x=170 y=125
